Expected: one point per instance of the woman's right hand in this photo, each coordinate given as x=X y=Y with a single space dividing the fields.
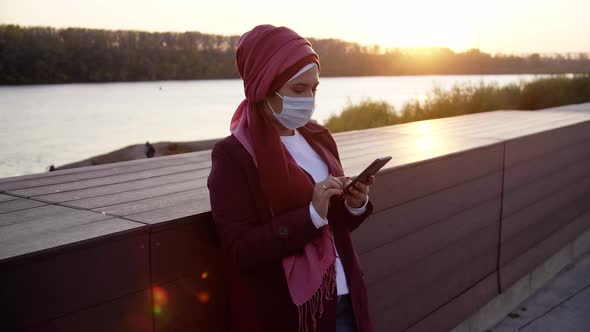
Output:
x=323 y=191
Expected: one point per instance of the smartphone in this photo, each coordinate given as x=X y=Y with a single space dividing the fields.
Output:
x=367 y=172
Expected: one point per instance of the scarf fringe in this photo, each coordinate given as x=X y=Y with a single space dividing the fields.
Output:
x=308 y=310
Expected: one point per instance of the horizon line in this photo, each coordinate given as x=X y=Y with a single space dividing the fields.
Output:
x=384 y=47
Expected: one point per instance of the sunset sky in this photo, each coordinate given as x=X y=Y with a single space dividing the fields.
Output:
x=499 y=26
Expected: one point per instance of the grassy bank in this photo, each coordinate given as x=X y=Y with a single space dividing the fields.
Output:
x=466 y=99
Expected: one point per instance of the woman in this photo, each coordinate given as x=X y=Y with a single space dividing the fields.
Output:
x=277 y=202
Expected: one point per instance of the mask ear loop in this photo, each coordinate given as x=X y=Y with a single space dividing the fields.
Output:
x=267 y=101
x=272 y=109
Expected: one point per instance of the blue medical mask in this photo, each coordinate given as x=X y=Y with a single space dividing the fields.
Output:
x=296 y=112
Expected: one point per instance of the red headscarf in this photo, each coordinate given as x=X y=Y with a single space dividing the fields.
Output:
x=267 y=57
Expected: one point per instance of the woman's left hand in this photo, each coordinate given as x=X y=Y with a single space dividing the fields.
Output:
x=358 y=194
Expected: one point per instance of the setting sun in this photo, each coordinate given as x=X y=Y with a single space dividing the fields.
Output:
x=410 y=24
x=175 y=165
x=503 y=26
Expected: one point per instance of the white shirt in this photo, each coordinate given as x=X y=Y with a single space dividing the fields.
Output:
x=312 y=163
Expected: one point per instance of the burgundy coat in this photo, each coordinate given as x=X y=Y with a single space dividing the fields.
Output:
x=259 y=300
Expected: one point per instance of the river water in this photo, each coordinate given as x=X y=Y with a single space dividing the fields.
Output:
x=57 y=124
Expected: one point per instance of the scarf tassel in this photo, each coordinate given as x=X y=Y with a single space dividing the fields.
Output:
x=308 y=310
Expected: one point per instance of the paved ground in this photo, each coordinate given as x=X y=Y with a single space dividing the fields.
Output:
x=563 y=305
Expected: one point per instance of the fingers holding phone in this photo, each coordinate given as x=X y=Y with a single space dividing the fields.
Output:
x=355 y=191
x=357 y=194
x=322 y=193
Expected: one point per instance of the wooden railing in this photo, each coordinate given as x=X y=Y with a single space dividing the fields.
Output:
x=467 y=206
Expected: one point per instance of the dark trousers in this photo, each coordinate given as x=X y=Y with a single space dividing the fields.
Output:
x=344 y=314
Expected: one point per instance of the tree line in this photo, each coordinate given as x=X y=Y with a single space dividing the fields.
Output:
x=30 y=55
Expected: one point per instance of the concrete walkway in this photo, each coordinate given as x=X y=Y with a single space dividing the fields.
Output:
x=563 y=305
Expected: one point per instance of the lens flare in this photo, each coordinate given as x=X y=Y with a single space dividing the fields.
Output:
x=204 y=275
x=203 y=297
x=160 y=299
x=157 y=310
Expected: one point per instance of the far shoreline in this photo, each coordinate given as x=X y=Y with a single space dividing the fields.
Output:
x=141 y=151
x=321 y=76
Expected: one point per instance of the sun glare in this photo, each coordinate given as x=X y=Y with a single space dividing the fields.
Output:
x=423 y=24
